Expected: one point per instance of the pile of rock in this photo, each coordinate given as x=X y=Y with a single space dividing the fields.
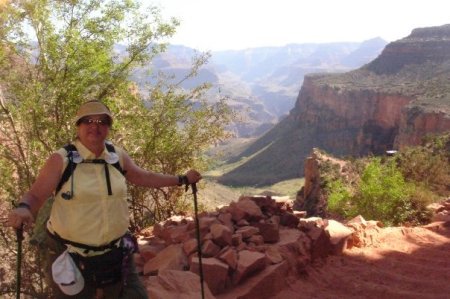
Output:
x=256 y=241
x=440 y=211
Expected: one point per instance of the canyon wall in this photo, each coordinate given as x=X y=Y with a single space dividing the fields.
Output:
x=414 y=125
x=357 y=121
x=392 y=102
x=362 y=121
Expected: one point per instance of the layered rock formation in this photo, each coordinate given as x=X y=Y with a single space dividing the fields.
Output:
x=390 y=103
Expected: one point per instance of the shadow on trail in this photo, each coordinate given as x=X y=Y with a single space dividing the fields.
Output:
x=405 y=263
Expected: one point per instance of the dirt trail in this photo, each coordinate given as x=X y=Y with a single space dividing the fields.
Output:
x=401 y=263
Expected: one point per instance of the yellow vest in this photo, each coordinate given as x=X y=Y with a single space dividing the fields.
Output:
x=91 y=217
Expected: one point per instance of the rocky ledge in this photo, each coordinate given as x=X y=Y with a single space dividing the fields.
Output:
x=249 y=248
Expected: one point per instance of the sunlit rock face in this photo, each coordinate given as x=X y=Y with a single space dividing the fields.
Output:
x=349 y=121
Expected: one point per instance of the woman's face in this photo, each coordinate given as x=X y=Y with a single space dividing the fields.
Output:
x=94 y=128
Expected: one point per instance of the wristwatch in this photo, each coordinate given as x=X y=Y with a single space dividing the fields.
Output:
x=182 y=180
x=24 y=205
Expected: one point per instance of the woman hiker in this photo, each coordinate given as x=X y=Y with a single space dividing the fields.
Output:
x=88 y=223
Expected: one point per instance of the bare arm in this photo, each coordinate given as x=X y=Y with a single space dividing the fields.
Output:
x=41 y=189
x=141 y=177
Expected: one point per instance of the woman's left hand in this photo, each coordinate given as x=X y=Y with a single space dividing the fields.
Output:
x=193 y=176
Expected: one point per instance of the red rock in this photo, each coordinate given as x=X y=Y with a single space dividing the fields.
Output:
x=209 y=249
x=289 y=220
x=206 y=222
x=149 y=251
x=249 y=262
x=227 y=220
x=170 y=258
x=320 y=245
x=256 y=240
x=221 y=234
x=215 y=273
x=229 y=256
x=190 y=246
x=338 y=235
x=247 y=231
x=273 y=255
x=269 y=231
x=176 y=284
x=236 y=239
x=263 y=285
x=252 y=211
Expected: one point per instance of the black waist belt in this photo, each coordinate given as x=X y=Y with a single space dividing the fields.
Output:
x=110 y=245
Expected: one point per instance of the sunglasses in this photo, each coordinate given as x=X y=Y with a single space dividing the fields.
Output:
x=102 y=121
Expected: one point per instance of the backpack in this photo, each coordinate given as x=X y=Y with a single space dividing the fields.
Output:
x=39 y=233
x=75 y=159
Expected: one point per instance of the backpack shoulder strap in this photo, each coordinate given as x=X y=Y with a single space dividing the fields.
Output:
x=69 y=168
x=110 y=147
x=70 y=147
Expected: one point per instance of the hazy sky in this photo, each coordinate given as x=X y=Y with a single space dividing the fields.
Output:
x=239 y=24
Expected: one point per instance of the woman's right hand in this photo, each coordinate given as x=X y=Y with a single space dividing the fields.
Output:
x=20 y=216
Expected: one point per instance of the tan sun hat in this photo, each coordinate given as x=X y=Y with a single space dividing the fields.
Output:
x=92 y=108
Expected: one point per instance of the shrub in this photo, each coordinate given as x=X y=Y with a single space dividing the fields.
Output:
x=385 y=195
x=394 y=190
x=339 y=197
x=428 y=165
x=420 y=198
x=381 y=192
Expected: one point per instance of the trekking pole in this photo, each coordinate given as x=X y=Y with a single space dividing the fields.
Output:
x=199 y=245
x=19 y=234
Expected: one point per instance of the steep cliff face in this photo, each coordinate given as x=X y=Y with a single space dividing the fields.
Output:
x=392 y=102
x=415 y=124
x=375 y=120
x=351 y=121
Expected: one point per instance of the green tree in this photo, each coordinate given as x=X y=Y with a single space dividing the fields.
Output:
x=54 y=55
x=158 y=142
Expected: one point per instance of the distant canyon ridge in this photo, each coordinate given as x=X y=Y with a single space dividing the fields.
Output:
x=261 y=84
x=389 y=103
